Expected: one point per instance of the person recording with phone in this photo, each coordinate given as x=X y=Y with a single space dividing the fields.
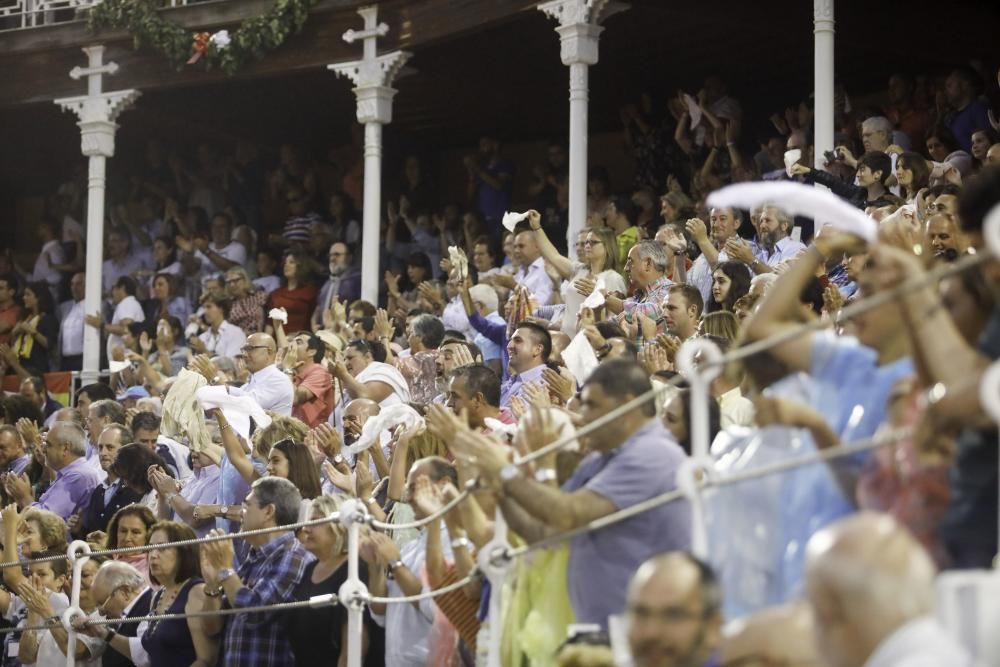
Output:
x=874 y=167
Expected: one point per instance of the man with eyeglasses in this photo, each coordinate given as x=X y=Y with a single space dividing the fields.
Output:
x=343 y=285
x=267 y=385
x=120 y=591
x=674 y=613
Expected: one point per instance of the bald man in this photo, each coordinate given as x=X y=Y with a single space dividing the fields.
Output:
x=674 y=612
x=776 y=636
x=270 y=387
x=356 y=415
x=871 y=589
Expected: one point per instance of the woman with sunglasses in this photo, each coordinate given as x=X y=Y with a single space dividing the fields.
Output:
x=598 y=264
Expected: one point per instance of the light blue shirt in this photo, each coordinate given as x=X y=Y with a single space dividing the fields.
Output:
x=514 y=385
x=536 y=280
x=490 y=349
x=784 y=250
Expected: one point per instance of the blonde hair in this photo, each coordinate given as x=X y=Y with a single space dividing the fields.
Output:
x=51 y=528
x=328 y=505
x=280 y=428
x=721 y=323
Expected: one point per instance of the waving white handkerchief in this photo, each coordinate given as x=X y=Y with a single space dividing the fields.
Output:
x=459 y=262
x=510 y=220
x=596 y=298
x=237 y=409
x=693 y=110
x=279 y=314
x=392 y=416
x=798 y=199
x=579 y=357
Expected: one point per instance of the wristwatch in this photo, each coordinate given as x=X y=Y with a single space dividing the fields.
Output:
x=223 y=511
x=224 y=574
x=544 y=475
x=394 y=565
x=338 y=459
x=509 y=472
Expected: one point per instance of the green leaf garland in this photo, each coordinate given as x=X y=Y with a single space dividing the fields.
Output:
x=254 y=37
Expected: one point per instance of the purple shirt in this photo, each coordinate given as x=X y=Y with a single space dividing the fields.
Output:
x=601 y=562
x=203 y=489
x=70 y=492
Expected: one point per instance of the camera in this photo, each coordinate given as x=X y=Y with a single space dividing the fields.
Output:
x=831 y=156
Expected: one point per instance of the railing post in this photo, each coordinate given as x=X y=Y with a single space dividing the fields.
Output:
x=495 y=564
x=700 y=374
x=353 y=593
x=78 y=554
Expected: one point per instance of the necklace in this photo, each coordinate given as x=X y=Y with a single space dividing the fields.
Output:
x=162 y=603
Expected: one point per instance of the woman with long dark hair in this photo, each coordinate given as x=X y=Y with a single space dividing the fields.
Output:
x=297 y=294
x=730 y=281
x=35 y=335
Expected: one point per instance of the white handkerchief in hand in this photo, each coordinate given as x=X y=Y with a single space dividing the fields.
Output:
x=792 y=157
x=596 y=298
x=693 y=110
x=279 y=314
x=237 y=409
x=579 y=358
x=459 y=262
x=510 y=220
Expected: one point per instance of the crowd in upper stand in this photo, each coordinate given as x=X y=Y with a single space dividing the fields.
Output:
x=252 y=387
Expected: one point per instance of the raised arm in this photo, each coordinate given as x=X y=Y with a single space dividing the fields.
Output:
x=563 y=265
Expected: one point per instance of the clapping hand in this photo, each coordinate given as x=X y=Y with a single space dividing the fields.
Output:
x=341 y=479
x=328 y=439
x=561 y=384
x=426 y=497
x=443 y=424
x=653 y=358
x=29 y=431
x=537 y=395
x=203 y=365
x=739 y=250
x=215 y=556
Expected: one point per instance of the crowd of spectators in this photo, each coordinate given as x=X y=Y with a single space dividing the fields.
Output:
x=251 y=387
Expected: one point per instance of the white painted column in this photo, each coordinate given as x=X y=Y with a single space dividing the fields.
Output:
x=97 y=112
x=372 y=76
x=823 y=115
x=578 y=39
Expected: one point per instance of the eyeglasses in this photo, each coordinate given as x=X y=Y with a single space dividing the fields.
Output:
x=248 y=348
x=114 y=591
x=593 y=242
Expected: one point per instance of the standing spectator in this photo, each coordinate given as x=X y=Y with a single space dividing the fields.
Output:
x=621 y=216
x=201 y=489
x=35 y=336
x=968 y=111
x=725 y=223
x=129 y=527
x=646 y=266
x=532 y=273
x=127 y=310
x=903 y=111
x=50 y=257
x=166 y=299
x=270 y=568
x=10 y=311
x=425 y=333
x=71 y=326
x=247 y=301
x=490 y=182
x=682 y=310
x=14 y=458
x=314 y=395
x=344 y=284
x=146 y=429
x=122 y=262
x=297 y=295
x=34 y=389
x=665 y=588
x=64 y=450
x=730 y=281
x=222 y=253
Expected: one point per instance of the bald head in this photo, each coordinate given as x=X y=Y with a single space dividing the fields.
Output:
x=779 y=636
x=260 y=351
x=866 y=576
x=356 y=415
x=664 y=589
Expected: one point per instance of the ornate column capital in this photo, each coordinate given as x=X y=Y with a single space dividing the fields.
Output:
x=823 y=10
x=579 y=27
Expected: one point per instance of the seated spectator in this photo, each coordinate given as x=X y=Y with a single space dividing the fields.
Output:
x=132 y=464
x=646 y=266
x=730 y=281
x=362 y=377
x=129 y=527
x=146 y=427
x=221 y=338
x=120 y=591
x=870 y=578
x=314 y=392
x=201 y=489
x=177 y=570
x=424 y=335
x=33 y=388
x=671 y=586
x=247 y=300
x=14 y=457
x=110 y=495
x=167 y=300
x=267 y=385
x=677 y=419
x=528 y=352
x=873 y=169
x=64 y=451
x=269 y=569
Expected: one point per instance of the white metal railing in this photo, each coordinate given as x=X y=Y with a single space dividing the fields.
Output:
x=24 y=14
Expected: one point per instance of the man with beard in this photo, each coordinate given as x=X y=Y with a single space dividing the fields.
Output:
x=674 y=613
x=344 y=283
x=776 y=244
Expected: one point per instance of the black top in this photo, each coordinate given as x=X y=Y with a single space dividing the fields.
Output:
x=37 y=362
x=113 y=658
x=96 y=516
x=169 y=643
x=315 y=633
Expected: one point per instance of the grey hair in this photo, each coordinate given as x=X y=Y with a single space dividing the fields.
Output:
x=485 y=295
x=121 y=575
x=241 y=272
x=878 y=124
x=781 y=214
x=109 y=409
x=282 y=494
x=649 y=249
x=124 y=432
x=72 y=436
x=430 y=330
